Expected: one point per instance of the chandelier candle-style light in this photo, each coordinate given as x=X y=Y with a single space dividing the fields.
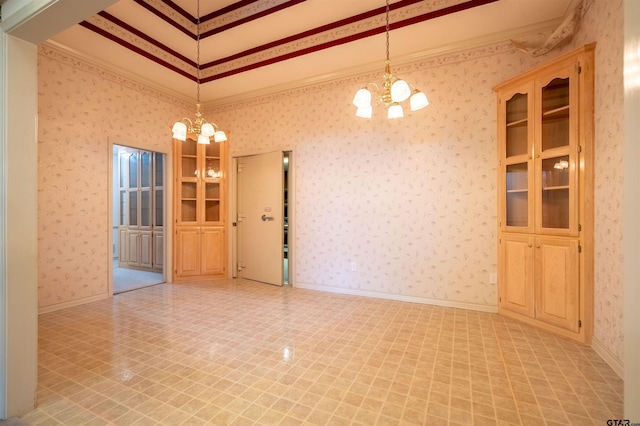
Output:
x=392 y=93
x=198 y=129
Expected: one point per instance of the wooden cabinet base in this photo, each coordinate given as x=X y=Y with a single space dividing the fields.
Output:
x=582 y=336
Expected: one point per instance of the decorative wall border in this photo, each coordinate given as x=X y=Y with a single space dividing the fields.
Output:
x=347 y=78
x=353 y=78
x=103 y=70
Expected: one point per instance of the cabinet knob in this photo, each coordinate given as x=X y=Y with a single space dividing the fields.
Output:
x=537 y=245
x=537 y=155
x=530 y=245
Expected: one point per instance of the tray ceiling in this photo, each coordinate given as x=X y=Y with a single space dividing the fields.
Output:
x=250 y=47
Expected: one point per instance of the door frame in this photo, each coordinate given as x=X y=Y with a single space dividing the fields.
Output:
x=167 y=209
x=233 y=213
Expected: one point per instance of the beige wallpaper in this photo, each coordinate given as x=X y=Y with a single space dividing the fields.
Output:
x=412 y=203
x=81 y=108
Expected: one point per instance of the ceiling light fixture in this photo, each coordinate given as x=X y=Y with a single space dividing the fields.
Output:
x=392 y=93
x=198 y=129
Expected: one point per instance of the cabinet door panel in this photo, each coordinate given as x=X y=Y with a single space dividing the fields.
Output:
x=516 y=278
x=557 y=298
x=212 y=251
x=123 y=255
x=132 y=248
x=187 y=252
x=146 y=249
x=158 y=250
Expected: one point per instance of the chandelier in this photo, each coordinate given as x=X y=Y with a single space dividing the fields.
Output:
x=393 y=91
x=198 y=129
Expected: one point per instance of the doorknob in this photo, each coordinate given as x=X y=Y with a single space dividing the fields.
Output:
x=266 y=218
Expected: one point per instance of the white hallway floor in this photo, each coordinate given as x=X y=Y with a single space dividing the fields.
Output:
x=125 y=279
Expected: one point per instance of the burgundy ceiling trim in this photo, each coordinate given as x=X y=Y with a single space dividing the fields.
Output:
x=213 y=15
x=311 y=32
x=146 y=38
x=166 y=18
x=249 y=18
x=136 y=49
x=413 y=20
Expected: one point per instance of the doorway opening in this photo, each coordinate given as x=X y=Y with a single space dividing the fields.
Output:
x=262 y=240
x=138 y=218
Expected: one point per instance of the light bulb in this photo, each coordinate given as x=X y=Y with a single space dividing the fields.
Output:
x=203 y=140
x=179 y=131
x=219 y=136
x=207 y=129
x=418 y=100
x=400 y=91
x=395 y=111
x=364 y=112
x=362 y=99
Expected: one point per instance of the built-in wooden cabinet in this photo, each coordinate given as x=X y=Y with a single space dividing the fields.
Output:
x=141 y=204
x=200 y=248
x=545 y=196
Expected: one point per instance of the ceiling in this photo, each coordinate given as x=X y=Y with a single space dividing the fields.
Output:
x=251 y=47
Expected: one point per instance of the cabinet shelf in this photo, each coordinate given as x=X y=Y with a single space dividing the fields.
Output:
x=512 y=191
x=556 y=188
x=517 y=122
x=563 y=110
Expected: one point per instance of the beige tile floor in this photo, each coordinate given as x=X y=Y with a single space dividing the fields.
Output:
x=246 y=353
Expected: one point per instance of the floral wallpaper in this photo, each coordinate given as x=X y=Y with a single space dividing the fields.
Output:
x=81 y=109
x=412 y=203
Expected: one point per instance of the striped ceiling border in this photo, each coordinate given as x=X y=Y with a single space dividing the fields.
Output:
x=126 y=35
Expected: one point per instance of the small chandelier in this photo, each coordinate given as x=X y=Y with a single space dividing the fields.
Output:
x=392 y=93
x=198 y=129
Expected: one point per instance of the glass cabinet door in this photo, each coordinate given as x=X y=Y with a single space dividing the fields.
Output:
x=188 y=186
x=556 y=154
x=517 y=165
x=212 y=175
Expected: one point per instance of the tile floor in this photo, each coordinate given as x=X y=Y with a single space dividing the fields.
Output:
x=242 y=353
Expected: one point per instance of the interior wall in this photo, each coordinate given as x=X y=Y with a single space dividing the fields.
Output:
x=81 y=109
x=412 y=203
x=19 y=292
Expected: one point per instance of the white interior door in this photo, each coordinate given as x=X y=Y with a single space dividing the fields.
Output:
x=260 y=218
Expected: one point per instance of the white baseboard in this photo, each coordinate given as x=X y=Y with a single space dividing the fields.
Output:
x=607 y=356
x=400 y=297
x=57 y=307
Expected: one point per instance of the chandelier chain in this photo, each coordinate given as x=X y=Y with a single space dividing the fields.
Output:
x=387 y=30
x=198 y=50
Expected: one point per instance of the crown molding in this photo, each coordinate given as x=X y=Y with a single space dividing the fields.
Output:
x=493 y=44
